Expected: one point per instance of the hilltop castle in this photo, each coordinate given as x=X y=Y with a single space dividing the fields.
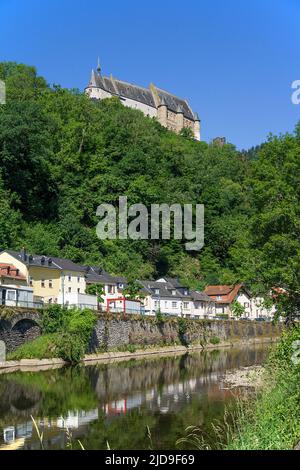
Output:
x=172 y=112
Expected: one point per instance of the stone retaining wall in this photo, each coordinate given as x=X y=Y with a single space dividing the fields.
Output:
x=119 y=332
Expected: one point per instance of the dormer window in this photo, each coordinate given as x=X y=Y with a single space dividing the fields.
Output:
x=157 y=291
x=173 y=292
x=219 y=297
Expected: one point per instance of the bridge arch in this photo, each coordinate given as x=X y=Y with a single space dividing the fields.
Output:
x=19 y=329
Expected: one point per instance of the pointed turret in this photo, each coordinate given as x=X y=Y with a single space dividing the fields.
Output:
x=93 y=80
x=179 y=109
x=196 y=117
x=99 y=67
x=162 y=102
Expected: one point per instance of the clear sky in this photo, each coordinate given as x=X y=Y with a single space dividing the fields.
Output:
x=234 y=60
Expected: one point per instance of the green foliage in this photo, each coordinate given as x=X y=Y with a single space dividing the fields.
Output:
x=214 y=340
x=237 y=309
x=159 y=317
x=272 y=420
x=43 y=347
x=182 y=331
x=132 y=290
x=66 y=334
x=61 y=155
x=70 y=347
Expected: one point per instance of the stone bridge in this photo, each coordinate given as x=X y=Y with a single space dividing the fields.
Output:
x=19 y=328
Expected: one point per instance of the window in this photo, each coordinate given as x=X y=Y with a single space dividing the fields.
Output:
x=186 y=292
x=78 y=290
x=70 y=278
x=70 y=290
x=219 y=297
x=186 y=305
x=174 y=304
x=156 y=304
x=50 y=283
x=246 y=304
x=78 y=278
x=173 y=292
x=43 y=282
x=111 y=290
x=31 y=281
x=156 y=291
x=11 y=295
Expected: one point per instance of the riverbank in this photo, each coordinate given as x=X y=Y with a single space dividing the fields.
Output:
x=37 y=365
x=271 y=419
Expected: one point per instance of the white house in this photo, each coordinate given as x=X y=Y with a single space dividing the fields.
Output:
x=224 y=296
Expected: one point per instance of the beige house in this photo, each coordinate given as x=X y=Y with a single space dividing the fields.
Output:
x=52 y=279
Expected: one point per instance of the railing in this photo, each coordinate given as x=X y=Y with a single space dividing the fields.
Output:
x=128 y=311
x=22 y=304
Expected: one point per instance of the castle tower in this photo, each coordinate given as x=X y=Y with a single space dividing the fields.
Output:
x=162 y=113
x=179 y=118
x=197 y=127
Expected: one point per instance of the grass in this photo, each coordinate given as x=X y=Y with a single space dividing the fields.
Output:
x=271 y=420
x=43 y=347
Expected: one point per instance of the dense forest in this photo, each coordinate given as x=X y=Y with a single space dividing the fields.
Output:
x=61 y=155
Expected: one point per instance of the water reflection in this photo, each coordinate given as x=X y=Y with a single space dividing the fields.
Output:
x=115 y=403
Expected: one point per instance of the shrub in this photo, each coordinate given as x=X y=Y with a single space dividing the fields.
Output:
x=71 y=348
x=66 y=334
x=182 y=331
x=215 y=340
x=159 y=317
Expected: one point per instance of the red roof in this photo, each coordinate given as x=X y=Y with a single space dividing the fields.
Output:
x=10 y=271
x=228 y=293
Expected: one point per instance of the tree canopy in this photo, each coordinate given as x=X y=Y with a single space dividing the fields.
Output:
x=62 y=155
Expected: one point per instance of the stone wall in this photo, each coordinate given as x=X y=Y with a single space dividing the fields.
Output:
x=18 y=326
x=119 y=332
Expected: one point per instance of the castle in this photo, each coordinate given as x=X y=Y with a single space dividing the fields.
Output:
x=172 y=112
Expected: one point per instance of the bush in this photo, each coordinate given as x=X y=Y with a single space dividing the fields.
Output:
x=71 y=348
x=215 y=340
x=66 y=334
x=182 y=331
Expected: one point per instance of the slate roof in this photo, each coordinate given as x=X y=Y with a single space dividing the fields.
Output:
x=174 y=103
x=95 y=274
x=142 y=95
x=200 y=296
x=46 y=261
x=164 y=289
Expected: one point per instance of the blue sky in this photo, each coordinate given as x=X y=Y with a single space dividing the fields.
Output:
x=233 y=60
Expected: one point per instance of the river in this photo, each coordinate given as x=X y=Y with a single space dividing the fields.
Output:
x=140 y=404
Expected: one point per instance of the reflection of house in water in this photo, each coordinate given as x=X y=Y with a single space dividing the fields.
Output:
x=168 y=400
x=14 y=436
x=75 y=419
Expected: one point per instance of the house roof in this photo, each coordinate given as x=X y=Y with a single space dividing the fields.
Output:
x=11 y=272
x=46 y=261
x=95 y=274
x=227 y=293
x=162 y=289
x=201 y=296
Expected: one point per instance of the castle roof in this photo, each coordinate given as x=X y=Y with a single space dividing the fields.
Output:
x=154 y=98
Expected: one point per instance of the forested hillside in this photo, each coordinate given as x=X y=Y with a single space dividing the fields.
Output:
x=61 y=155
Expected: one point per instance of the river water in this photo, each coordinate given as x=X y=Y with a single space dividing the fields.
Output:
x=116 y=405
